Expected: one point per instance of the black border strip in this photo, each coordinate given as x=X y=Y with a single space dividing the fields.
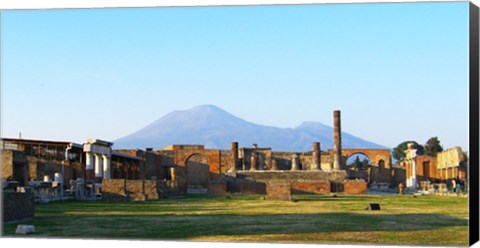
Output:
x=474 y=126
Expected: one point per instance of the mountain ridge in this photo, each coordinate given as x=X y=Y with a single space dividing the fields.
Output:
x=215 y=128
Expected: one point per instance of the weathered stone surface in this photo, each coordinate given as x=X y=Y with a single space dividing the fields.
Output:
x=337 y=141
x=292 y=176
x=252 y=187
x=117 y=190
x=219 y=188
x=25 y=229
x=311 y=187
x=316 y=156
x=279 y=191
x=354 y=187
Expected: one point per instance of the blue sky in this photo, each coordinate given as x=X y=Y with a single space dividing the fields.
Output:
x=396 y=71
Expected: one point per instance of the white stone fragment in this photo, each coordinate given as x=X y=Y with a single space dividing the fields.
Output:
x=25 y=229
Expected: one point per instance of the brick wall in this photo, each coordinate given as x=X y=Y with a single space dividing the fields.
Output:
x=278 y=191
x=114 y=190
x=252 y=187
x=18 y=206
x=311 y=187
x=7 y=164
x=354 y=187
x=292 y=176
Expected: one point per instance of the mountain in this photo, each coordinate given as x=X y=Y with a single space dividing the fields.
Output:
x=215 y=128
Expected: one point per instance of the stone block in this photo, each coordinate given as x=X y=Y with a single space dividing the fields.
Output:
x=25 y=229
x=311 y=187
x=252 y=188
x=217 y=188
x=279 y=191
x=354 y=187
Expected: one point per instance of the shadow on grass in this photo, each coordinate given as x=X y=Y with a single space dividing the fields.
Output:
x=187 y=226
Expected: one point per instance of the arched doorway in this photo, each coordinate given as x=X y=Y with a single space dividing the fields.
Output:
x=198 y=174
x=359 y=166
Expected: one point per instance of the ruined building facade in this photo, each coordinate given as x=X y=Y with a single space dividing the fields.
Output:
x=191 y=168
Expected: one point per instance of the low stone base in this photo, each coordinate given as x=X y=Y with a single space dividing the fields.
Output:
x=354 y=187
x=311 y=187
x=279 y=191
x=252 y=188
x=217 y=188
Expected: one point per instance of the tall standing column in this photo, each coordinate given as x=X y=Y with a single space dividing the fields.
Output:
x=316 y=156
x=337 y=140
x=89 y=173
x=106 y=167
x=414 y=173
x=234 y=151
x=98 y=167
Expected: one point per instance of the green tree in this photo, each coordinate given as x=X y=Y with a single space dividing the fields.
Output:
x=433 y=147
x=399 y=151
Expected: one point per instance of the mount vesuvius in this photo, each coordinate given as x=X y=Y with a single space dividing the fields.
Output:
x=215 y=128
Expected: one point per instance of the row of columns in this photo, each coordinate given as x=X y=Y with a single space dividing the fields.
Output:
x=98 y=166
x=449 y=173
x=337 y=147
x=295 y=159
x=97 y=159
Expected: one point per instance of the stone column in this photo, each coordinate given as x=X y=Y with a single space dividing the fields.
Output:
x=253 y=162
x=106 y=167
x=98 y=166
x=414 y=173
x=316 y=156
x=337 y=140
x=294 y=162
x=234 y=151
x=90 y=175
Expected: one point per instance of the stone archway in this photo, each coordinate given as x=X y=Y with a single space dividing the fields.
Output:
x=358 y=166
x=197 y=173
x=358 y=161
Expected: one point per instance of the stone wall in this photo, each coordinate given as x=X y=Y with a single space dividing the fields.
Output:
x=354 y=187
x=118 y=190
x=248 y=187
x=293 y=176
x=311 y=187
x=226 y=161
x=7 y=164
x=278 y=191
x=18 y=206
x=218 y=188
x=284 y=160
x=399 y=176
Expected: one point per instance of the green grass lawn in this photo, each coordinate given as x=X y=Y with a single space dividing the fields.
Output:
x=421 y=220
